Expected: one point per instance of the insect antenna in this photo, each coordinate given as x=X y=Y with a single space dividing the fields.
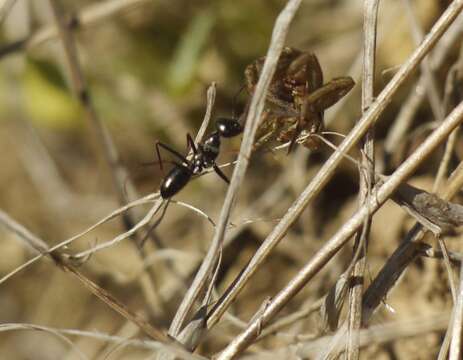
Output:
x=235 y=100
x=170 y=150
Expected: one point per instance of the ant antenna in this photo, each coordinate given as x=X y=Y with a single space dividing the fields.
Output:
x=234 y=101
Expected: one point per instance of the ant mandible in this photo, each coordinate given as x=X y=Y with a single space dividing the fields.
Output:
x=204 y=155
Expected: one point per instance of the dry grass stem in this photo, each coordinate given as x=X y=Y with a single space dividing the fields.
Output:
x=40 y=246
x=404 y=254
x=61 y=333
x=252 y=121
x=202 y=271
x=145 y=200
x=5 y=9
x=377 y=334
x=93 y=14
x=457 y=322
x=449 y=96
x=367 y=179
x=210 y=100
x=57 y=333
x=403 y=121
x=290 y=319
x=431 y=86
x=122 y=184
x=149 y=215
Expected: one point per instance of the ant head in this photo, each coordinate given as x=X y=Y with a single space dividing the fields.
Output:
x=228 y=127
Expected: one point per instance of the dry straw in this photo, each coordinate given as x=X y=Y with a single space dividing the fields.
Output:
x=184 y=334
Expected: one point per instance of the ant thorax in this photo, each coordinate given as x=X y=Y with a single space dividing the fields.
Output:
x=209 y=149
x=197 y=164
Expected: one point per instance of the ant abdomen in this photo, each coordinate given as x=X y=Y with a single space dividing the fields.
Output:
x=175 y=181
x=228 y=127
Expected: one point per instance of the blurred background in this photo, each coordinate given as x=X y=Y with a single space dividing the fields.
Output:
x=148 y=65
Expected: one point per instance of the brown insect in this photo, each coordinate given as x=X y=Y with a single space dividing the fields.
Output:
x=297 y=98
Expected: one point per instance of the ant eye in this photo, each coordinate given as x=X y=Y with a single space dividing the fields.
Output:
x=228 y=127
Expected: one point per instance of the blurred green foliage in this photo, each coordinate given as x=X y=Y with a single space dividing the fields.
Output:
x=48 y=100
x=175 y=47
x=182 y=69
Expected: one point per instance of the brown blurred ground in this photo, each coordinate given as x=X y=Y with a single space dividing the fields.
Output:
x=148 y=69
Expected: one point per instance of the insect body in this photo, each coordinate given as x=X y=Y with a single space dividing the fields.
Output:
x=204 y=156
x=297 y=97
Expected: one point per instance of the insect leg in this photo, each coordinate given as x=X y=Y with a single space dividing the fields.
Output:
x=191 y=143
x=220 y=173
x=169 y=149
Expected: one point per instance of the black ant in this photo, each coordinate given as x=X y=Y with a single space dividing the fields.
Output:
x=204 y=155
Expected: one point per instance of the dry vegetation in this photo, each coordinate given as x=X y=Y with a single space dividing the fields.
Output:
x=282 y=264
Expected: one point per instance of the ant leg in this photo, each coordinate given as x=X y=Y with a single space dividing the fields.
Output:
x=159 y=157
x=191 y=143
x=154 y=226
x=235 y=98
x=169 y=149
x=220 y=173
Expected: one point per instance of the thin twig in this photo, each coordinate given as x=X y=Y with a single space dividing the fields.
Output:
x=403 y=121
x=211 y=93
x=123 y=186
x=367 y=178
x=290 y=319
x=59 y=334
x=448 y=268
x=40 y=246
x=149 y=215
x=444 y=349
x=457 y=323
x=91 y=15
x=5 y=9
x=431 y=86
x=141 y=344
x=451 y=85
x=403 y=256
x=378 y=334
x=439 y=112
x=119 y=174
x=146 y=200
